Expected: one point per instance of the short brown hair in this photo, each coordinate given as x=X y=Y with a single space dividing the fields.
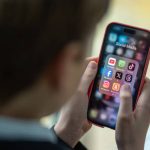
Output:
x=33 y=31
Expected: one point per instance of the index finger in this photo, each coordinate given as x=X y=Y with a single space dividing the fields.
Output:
x=89 y=59
x=142 y=111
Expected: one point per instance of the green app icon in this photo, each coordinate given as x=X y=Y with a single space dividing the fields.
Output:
x=121 y=63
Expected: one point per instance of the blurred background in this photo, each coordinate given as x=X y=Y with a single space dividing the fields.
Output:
x=132 y=12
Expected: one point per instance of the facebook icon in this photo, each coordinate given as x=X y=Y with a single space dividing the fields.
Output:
x=108 y=73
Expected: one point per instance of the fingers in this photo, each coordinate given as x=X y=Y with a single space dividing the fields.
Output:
x=125 y=109
x=92 y=59
x=88 y=76
x=89 y=59
x=124 y=116
x=142 y=111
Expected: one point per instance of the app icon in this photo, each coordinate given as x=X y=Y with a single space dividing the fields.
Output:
x=128 y=78
x=116 y=87
x=121 y=63
x=112 y=119
x=107 y=97
x=131 y=66
x=118 y=75
x=112 y=61
x=117 y=100
x=129 y=53
x=110 y=49
x=108 y=73
x=142 y=45
x=132 y=41
x=112 y=37
x=106 y=84
x=98 y=95
x=119 y=51
x=139 y=56
x=103 y=115
x=93 y=113
x=101 y=71
x=123 y=39
x=110 y=110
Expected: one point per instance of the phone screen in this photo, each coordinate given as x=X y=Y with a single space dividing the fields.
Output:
x=122 y=61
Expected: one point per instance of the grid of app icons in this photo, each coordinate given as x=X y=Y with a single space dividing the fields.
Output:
x=118 y=70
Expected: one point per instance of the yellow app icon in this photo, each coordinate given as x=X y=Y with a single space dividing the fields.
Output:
x=116 y=87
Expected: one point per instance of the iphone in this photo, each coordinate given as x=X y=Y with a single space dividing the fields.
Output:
x=123 y=59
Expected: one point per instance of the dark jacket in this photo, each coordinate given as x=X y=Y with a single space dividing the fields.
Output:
x=35 y=145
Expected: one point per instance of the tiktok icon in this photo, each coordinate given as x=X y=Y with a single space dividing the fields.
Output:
x=131 y=66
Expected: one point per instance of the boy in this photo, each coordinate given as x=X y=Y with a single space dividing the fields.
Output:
x=43 y=44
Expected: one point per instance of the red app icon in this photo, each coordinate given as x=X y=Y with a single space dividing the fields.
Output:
x=112 y=61
x=107 y=97
x=139 y=56
x=106 y=84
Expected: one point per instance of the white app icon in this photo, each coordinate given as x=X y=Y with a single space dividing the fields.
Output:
x=112 y=61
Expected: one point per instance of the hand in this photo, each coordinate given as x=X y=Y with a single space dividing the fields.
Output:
x=132 y=126
x=73 y=124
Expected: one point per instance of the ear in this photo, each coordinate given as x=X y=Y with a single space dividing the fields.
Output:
x=71 y=53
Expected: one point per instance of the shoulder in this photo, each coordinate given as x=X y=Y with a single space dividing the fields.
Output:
x=29 y=145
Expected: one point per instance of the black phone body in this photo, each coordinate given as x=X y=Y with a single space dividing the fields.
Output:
x=123 y=59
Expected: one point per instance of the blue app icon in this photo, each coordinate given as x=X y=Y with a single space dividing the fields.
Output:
x=113 y=37
x=123 y=39
x=129 y=53
x=110 y=49
x=108 y=73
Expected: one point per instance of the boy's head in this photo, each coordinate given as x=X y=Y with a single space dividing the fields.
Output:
x=42 y=45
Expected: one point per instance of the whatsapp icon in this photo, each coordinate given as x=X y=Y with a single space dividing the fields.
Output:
x=121 y=63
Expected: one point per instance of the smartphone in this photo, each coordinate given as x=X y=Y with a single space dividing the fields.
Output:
x=123 y=59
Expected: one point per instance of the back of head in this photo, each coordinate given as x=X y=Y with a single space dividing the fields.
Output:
x=32 y=32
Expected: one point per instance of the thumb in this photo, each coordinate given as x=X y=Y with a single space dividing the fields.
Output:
x=125 y=109
x=88 y=76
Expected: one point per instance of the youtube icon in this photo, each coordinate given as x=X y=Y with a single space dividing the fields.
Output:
x=112 y=61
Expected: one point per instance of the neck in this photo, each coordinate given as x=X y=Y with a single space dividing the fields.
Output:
x=33 y=103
